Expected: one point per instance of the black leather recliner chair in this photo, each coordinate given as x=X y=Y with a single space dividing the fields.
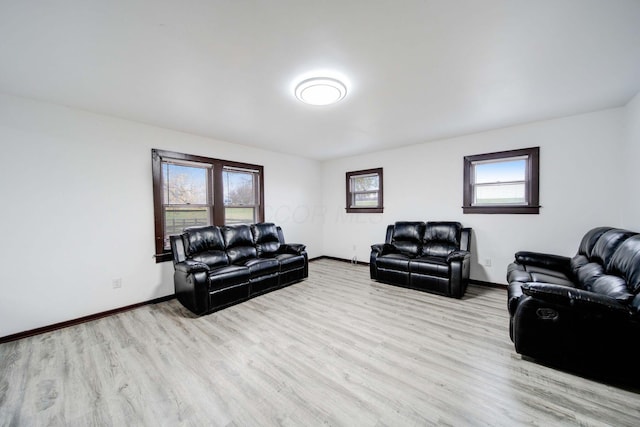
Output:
x=581 y=312
x=432 y=257
x=216 y=267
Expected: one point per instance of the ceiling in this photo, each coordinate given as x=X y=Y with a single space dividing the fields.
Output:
x=417 y=70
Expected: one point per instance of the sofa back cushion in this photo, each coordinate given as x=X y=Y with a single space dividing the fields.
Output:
x=205 y=244
x=239 y=243
x=441 y=238
x=589 y=240
x=607 y=244
x=587 y=275
x=625 y=263
x=265 y=237
x=407 y=237
x=584 y=250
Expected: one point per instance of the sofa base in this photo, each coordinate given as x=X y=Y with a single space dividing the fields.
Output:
x=225 y=297
x=230 y=297
x=420 y=286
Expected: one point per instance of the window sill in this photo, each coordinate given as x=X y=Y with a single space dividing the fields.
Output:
x=364 y=210
x=501 y=210
x=163 y=257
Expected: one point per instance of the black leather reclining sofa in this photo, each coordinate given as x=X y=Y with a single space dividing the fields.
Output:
x=216 y=267
x=583 y=311
x=432 y=257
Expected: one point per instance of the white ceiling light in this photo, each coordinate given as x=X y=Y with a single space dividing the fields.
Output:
x=320 y=91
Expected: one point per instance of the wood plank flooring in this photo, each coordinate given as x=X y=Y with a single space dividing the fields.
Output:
x=336 y=349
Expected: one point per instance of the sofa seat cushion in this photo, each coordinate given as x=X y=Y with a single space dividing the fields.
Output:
x=213 y=258
x=540 y=275
x=517 y=273
x=262 y=266
x=290 y=262
x=225 y=277
x=430 y=266
x=612 y=286
x=394 y=262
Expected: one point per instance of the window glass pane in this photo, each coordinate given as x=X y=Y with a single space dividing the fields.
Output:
x=365 y=183
x=500 y=171
x=502 y=194
x=239 y=188
x=365 y=200
x=183 y=185
x=239 y=216
x=177 y=219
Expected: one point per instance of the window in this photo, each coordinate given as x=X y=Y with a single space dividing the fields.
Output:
x=241 y=195
x=193 y=190
x=186 y=196
x=505 y=182
x=364 y=191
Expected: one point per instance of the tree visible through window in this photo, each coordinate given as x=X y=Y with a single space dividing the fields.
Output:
x=364 y=191
x=186 y=196
x=193 y=190
x=240 y=195
x=503 y=182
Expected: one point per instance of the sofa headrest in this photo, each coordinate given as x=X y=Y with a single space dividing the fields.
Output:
x=239 y=243
x=625 y=263
x=200 y=239
x=407 y=236
x=441 y=238
x=443 y=231
x=408 y=230
x=265 y=236
x=237 y=235
x=589 y=240
x=607 y=245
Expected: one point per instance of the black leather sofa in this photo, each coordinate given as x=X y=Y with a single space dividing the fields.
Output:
x=580 y=312
x=216 y=267
x=432 y=257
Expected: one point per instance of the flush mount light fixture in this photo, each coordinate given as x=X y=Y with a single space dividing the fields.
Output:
x=320 y=91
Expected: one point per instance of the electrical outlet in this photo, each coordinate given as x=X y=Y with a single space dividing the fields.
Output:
x=487 y=262
x=117 y=283
x=354 y=248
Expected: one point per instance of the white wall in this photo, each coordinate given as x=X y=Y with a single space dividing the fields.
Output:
x=579 y=189
x=630 y=163
x=77 y=209
x=77 y=201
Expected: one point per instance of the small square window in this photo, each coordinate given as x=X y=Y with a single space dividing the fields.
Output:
x=505 y=182
x=364 y=191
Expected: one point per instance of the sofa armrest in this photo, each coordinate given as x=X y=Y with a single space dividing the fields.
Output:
x=458 y=256
x=191 y=267
x=578 y=298
x=384 y=248
x=553 y=262
x=292 y=248
x=377 y=248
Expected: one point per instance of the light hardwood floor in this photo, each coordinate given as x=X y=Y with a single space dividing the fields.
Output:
x=336 y=349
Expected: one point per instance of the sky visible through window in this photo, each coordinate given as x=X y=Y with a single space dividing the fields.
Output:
x=508 y=171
